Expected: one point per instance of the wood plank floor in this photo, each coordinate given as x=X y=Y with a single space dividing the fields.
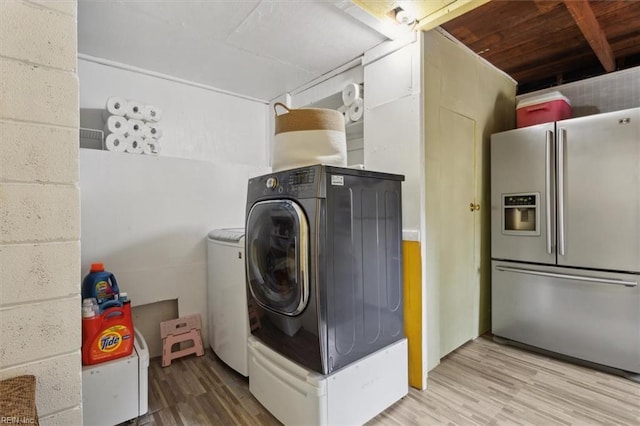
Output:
x=481 y=383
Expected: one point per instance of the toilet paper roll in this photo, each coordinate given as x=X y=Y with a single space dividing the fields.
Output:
x=116 y=124
x=115 y=142
x=151 y=113
x=116 y=106
x=144 y=130
x=134 y=110
x=152 y=131
x=134 y=144
x=136 y=127
x=350 y=93
x=149 y=146
x=344 y=110
x=356 y=110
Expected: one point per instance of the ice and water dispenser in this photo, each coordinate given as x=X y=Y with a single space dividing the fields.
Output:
x=520 y=214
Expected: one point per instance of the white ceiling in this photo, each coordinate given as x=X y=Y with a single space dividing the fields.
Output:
x=256 y=48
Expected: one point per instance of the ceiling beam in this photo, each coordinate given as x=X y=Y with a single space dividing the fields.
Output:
x=586 y=20
x=451 y=11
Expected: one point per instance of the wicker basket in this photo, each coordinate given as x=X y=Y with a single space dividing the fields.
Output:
x=18 y=400
x=308 y=136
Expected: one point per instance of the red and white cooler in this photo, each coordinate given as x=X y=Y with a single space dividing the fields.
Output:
x=545 y=108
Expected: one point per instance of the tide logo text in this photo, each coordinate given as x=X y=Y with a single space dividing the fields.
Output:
x=110 y=342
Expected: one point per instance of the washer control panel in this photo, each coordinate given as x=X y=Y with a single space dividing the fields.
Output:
x=300 y=183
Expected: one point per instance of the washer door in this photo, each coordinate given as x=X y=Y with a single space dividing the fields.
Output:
x=277 y=241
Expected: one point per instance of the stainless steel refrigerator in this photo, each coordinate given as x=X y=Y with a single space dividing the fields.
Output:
x=565 y=237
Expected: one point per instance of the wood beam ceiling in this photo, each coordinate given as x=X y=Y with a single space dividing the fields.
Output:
x=586 y=20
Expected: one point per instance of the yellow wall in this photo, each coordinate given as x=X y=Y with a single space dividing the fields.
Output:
x=412 y=270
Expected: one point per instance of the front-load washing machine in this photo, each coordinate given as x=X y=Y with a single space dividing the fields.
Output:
x=227 y=297
x=324 y=264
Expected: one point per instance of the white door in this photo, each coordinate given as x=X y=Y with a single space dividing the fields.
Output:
x=456 y=243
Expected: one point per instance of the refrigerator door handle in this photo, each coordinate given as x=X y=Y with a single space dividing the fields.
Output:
x=547 y=182
x=567 y=277
x=561 y=235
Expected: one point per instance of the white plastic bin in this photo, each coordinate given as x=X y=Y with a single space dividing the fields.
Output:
x=116 y=391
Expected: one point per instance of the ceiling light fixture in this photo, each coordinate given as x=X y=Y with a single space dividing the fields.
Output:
x=402 y=17
x=423 y=15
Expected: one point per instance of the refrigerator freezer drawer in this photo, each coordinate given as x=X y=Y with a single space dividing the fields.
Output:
x=590 y=315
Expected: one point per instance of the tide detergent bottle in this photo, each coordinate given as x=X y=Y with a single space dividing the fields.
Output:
x=100 y=285
x=107 y=336
x=107 y=326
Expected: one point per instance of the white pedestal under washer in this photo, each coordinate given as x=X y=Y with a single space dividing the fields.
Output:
x=352 y=395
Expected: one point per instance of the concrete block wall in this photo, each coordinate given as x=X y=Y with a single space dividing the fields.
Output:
x=40 y=323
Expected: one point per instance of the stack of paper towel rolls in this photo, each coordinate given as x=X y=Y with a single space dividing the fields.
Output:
x=353 y=106
x=131 y=126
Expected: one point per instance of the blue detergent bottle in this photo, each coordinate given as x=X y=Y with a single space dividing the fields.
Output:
x=101 y=285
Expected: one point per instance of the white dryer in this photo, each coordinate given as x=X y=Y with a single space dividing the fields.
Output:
x=227 y=297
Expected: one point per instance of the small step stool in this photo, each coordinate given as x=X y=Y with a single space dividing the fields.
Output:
x=177 y=331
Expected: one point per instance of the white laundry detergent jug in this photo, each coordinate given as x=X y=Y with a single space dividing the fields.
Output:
x=308 y=136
